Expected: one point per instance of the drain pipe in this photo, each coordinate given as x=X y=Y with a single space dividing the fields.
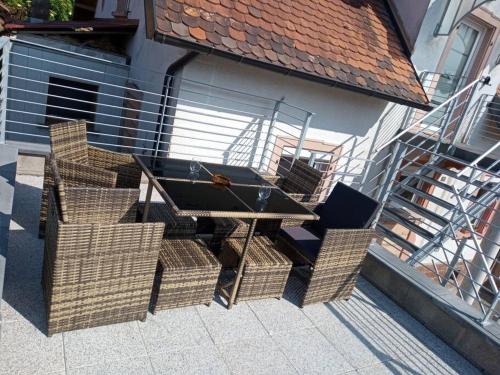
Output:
x=168 y=103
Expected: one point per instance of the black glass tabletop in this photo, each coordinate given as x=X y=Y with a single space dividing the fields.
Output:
x=161 y=167
x=205 y=198
x=277 y=203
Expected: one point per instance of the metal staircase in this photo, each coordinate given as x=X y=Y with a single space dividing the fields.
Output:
x=433 y=226
x=433 y=200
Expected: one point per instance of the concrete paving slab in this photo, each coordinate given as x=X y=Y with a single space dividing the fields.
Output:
x=100 y=345
x=24 y=349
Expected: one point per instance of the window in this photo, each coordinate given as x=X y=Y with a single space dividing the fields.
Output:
x=69 y=99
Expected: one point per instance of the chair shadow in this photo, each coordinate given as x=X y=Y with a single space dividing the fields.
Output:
x=22 y=287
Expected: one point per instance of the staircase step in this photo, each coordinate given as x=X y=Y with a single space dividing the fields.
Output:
x=437 y=183
x=449 y=173
x=396 y=216
x=446 y=187
x=422 y=211
x=429 y=197
x=396 y=238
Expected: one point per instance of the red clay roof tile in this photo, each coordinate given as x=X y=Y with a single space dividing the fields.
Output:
x=354 y=42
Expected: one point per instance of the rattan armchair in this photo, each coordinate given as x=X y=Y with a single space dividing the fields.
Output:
x=99 y=263
x=68 y=142
x=333 y=247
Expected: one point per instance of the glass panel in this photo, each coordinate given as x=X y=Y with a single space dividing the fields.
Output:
x=278 y=202
x=171 y=168
x=237 y=175
x=202 y=197
x=455 y=63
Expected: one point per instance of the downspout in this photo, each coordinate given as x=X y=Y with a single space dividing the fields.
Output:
x=168 y=105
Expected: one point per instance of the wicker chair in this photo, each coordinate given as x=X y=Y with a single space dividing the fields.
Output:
x=68 y=142
x=301 y=183
x=186 y=275
x=333 y=247
x=175 y=226
x=266 y=270
x=99 y=263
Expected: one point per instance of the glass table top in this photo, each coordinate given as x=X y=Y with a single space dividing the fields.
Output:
x=161 y=167
x=200 y=197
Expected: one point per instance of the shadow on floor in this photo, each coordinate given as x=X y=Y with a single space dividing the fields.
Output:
x=22 y=294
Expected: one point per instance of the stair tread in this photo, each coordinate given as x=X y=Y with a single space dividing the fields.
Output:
x=404 y=243
x=392 y=213
x=449 y=173
x=446 y=187
x=429 y=197
x=422 y=211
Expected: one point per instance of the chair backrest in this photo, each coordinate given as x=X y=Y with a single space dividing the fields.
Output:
x=346 y=208
x=68 y=141
x=89 y=205
x=302 y=179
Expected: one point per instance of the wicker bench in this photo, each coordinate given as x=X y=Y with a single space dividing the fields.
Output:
x=186 y=275
x=266 y=270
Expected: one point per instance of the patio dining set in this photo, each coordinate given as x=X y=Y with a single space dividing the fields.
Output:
x=110 y=258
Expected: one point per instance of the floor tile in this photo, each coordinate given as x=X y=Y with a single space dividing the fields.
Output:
x=280 y=315
x=355 y=347
x=24 y=350
x=133 y=367
x=200 y=360
x=225 y=325
x=173 y=330
x=260 y=355
x=100 y=345
x=311 y=353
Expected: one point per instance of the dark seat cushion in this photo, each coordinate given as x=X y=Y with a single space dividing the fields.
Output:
x=303 y=241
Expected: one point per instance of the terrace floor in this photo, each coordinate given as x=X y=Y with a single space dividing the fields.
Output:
x=368 y=334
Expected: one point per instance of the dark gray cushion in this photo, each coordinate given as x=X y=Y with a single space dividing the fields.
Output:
x=346 y=208
x=304 y=241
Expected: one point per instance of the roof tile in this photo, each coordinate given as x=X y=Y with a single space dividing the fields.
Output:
x=350 y=41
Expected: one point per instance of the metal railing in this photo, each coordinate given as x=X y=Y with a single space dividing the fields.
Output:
x=43 y=85
x=455 y=257
x=189 y=119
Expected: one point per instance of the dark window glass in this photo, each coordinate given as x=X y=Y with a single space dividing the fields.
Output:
x=72 y=100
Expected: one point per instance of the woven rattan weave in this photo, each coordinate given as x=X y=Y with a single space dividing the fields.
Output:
x=92 y=167
x=187 y=275
x=265 y=271
x=334 y=271
x=99 y=264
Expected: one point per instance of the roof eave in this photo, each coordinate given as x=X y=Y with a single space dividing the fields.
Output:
x=167 y=39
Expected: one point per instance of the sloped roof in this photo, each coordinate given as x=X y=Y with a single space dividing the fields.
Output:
x=349 y=43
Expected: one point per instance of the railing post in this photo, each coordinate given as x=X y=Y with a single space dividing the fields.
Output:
x=460 y=120
x=303 y=134
x=4 y=80
x=393 y=167
x=272 y=123
x=162 y=118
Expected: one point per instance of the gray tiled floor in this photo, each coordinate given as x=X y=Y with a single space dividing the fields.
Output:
x=367 y=335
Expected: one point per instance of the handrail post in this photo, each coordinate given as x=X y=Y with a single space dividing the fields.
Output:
x=460 y=120
x=272 y=123
x=4 y=85
x=303 y=134
x=393 y=167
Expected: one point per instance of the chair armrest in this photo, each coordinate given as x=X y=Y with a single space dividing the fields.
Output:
x=299 y=197
x=274 y=179
x=74 y=174
x=312 y=206
x=129 y=173
x=100 y=205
